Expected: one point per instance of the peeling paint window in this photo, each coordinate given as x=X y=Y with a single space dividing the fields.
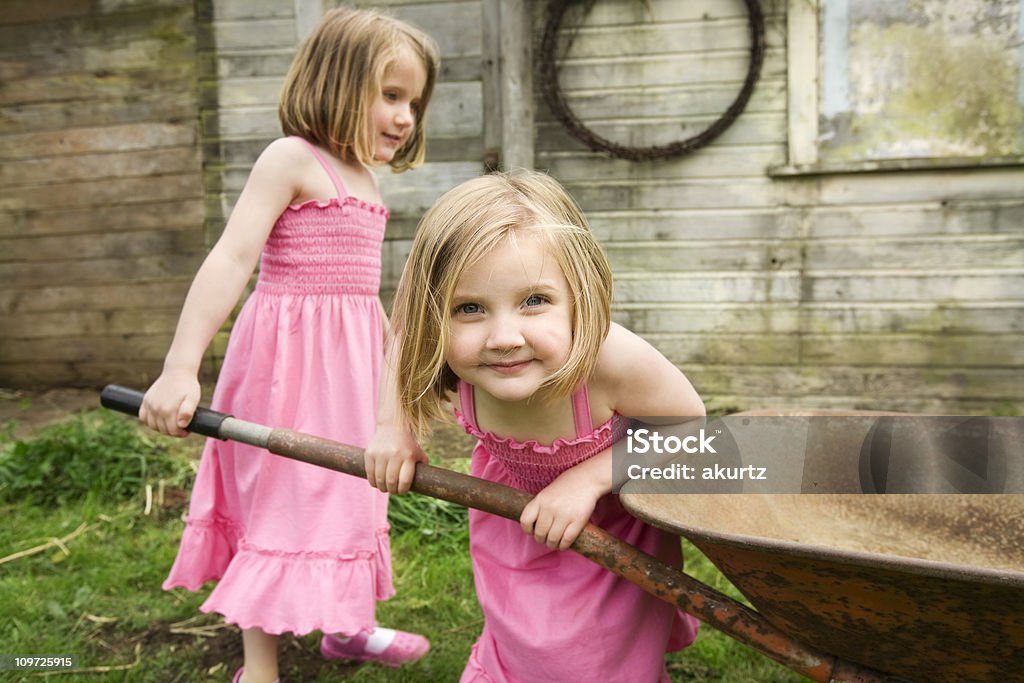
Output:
x=921 y=78
x=884 y=83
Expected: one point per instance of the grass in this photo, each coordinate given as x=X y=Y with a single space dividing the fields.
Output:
x=80 y=574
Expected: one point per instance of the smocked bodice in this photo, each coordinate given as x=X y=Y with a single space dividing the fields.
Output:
x=532 y=465
x=329 y=247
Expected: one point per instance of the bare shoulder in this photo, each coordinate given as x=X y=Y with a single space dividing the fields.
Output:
x=621 y=354
x=637 y=379
x=284 y=153
x=282 y=167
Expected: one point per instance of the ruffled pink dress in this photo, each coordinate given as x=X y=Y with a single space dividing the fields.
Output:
x=554 y=615
x=296 y=547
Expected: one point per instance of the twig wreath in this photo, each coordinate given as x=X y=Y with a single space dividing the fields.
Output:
x=548 y=72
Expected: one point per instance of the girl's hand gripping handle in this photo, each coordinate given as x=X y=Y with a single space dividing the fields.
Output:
x=122 y=399
x=170 y=403
x=391 y=458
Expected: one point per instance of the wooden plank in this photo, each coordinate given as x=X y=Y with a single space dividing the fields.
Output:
x=43 y=10
x=455 y=26
x=48 y=116
x=88 y=246
x=120 y=292
x=642 y=102
x=717 y=317
x=182 y=186
x=688 y=256
x=31 y=276
x=753 y=128
x=615 y=12
x=858 y=383
x=143 y=135
x=693 y=224
x=646 y=38
x=729 y=349
x=947 y=287
x=413 y=193
x=911 y=186
x=236 y=34
x=712 y=162
x=864 y=384
x=938 y=318
x=689 y=193
x=73 y=325
x=926 y=318
x=516 y=50
x=94 y=374
x=740 y=287
x=668 y=70
x=948 y=350
x=802 y=75
x=153 y=162
x=84 y=349
x=997 y=216
x=113 y=218
x=925 y=253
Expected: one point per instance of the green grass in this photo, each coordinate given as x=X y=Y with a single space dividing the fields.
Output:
x=97 y=594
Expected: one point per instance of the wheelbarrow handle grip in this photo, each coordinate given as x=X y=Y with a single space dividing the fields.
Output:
x=124 y=400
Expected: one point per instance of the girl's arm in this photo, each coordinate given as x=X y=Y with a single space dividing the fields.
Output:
x=273 y=183
x=393 y=452
x=633 y=379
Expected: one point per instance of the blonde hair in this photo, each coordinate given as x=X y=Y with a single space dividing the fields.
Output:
x=462 y=227
x=336 y=77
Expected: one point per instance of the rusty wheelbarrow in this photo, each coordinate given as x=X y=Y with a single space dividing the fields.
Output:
x=926 y=587
x=784 y=640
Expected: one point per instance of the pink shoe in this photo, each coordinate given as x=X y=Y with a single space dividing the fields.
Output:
x=405 y=648
x=238 y=676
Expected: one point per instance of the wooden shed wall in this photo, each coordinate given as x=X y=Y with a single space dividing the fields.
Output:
x=897 y=290
x=100 y=190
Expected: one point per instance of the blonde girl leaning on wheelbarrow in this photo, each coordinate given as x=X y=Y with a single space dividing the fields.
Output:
x=295 y=547
x=504 y=311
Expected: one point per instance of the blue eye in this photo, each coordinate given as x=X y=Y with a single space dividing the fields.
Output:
x=534 y=300
x=468 y=309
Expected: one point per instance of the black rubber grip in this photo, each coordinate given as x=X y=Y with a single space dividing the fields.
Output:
x=124 y=400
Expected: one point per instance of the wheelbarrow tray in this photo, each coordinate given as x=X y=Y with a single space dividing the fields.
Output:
x=924 y=587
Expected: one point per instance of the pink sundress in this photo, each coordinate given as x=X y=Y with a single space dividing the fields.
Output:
x=555 y=616
x=296 y=547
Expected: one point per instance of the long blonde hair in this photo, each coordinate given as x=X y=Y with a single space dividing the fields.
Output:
x=336 y=77
x=463 y=226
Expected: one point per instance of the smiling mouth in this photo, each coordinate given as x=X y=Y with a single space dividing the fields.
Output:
x=508 y=368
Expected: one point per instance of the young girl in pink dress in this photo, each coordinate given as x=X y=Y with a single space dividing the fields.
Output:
x=296 y=547
x=504 y=310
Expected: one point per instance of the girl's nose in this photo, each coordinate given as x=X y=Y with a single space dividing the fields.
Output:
x=405 y=117
x=504 y=335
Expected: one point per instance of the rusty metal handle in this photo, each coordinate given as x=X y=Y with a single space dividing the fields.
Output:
x=646 y=571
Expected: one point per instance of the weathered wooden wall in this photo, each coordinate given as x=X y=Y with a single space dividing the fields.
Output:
x=899 y=290
x=100 y=191
x=887 y=289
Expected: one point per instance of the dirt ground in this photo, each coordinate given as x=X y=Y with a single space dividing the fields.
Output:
x=32 y=410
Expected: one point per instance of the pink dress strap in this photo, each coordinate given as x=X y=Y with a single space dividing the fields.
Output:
x=581 y=411
x=339 y=186
x=468 y=408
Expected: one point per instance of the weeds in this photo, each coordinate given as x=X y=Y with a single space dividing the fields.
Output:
x=96 y=453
